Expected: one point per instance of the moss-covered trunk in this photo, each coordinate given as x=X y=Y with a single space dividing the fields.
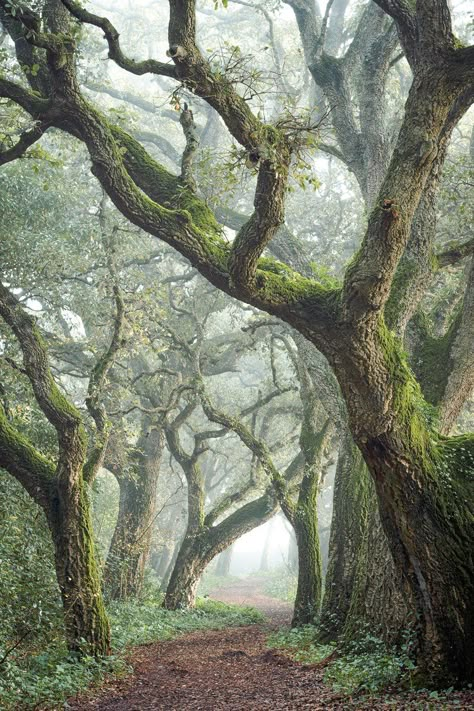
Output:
x=188 y=569
x=85 y=620
x=348 y=530
x=130 y=545
x=308 y=592
x=363 y=590
x=380 y=602
x=303 y=515
x=428 y=518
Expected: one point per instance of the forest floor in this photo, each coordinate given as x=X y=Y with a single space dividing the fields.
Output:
x=233 y=670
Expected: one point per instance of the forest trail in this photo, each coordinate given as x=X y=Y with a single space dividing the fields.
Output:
x=229 y=669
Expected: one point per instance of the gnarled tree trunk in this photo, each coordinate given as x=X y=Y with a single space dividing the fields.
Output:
x=130 y=545
x=85 y=620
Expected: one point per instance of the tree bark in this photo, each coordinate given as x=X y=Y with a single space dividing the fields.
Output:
x=85 y=620
x=59 y=489
x=130 y=545
x=189 y=566
x=200 y=547
x=348 y=529
x=308 y=591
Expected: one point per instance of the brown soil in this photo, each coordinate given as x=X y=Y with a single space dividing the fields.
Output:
x=227 y=669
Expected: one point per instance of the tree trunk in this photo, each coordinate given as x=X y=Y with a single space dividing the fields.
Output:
x=428 y=523
x=130 y=544
x=348 y=531
x=308 y=592
x=363 y=591
x=188 y=569
x=380 y=602
x=224 y=561
x=304 y=516
x=200 y=547
x=86 y=625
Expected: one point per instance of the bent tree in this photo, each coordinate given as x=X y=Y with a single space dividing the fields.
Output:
x=423 y=480
x=60 y=486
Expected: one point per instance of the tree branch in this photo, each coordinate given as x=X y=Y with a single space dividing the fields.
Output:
x=26 y=140
x=147 y=66
x=454 y=253
x=20 y=459
x=192 y=144
x=60 y=413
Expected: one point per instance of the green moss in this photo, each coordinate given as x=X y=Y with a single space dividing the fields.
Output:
x=279 y=283
x=162 y=186
x=458 y=457
x=431 y=357
x=16 y=450
x=414 y=413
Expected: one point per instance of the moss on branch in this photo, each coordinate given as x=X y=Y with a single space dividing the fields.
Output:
x=431 y=357
x=415 y=416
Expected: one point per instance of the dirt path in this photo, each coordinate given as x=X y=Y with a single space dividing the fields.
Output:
x=228 y=669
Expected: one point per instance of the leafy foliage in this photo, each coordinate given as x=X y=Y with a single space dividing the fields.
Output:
x=301 y=644
x=30 y=613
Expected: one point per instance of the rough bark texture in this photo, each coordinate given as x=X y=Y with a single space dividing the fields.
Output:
x=200 y=547
x=348 y=530
x=130 y=545
x=85 y=620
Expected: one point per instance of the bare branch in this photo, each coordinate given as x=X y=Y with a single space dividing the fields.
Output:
x=454 y=253
x=192 y=144
x=26 y=140
x=147 y=66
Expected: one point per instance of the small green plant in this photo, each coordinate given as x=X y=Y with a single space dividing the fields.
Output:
x=368 y=666
x=365 y=665
x=301 y=644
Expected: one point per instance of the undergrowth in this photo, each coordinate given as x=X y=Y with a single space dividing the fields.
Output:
x=366 y=670
x=366 y=665
x=45 y=678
